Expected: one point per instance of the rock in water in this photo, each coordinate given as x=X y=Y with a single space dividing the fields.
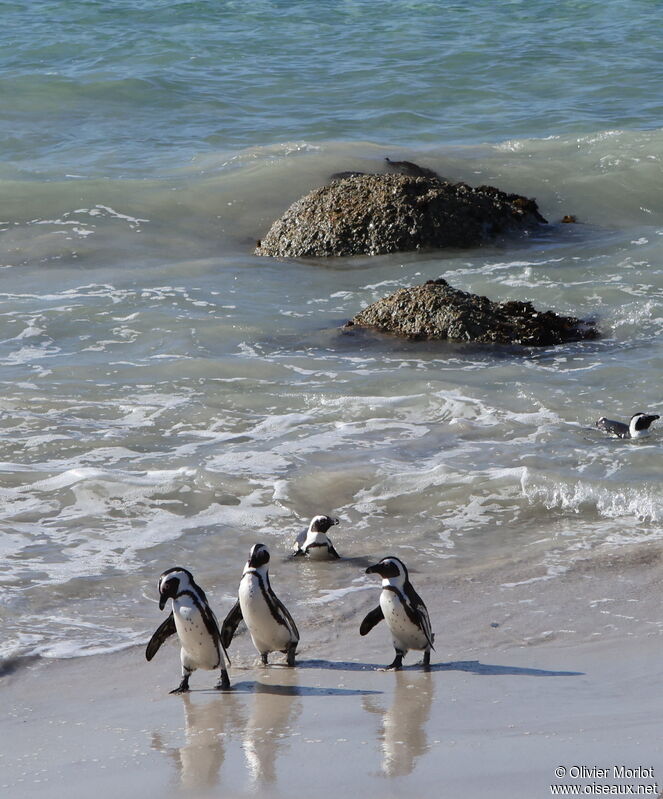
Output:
x=436 y=310
x=408 y=168
x=377 y=214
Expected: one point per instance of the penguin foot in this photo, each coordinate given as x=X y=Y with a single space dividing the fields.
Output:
x=183 y=687
x=397 y=663
x=290 y=655
x=425 y=663
x=224 y=682
x=263 y=658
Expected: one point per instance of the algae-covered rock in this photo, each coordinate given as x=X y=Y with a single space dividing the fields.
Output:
x=377 y=214
x=436 y=310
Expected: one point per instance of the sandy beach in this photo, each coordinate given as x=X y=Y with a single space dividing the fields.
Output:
x=499 y=711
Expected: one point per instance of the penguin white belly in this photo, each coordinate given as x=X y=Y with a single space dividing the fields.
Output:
x=318 y=553
x=198 y=647
x=404 y=633
x=266 y=633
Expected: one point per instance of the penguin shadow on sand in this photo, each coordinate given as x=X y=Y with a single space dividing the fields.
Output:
x=292 y=689
x=339 y=665
x=472 y=666
x=494 y=670
x=402 y=733
x=207 y=725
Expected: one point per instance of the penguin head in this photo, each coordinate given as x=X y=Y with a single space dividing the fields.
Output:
x=172 y=582
x=320 y=524
x=258 y=557
x=641 y=421
x=390 y=568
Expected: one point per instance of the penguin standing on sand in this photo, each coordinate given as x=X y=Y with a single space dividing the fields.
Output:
x=196 y=627
x=638 y=427
x=315 y=542
x=271 y=627
x=403 y=610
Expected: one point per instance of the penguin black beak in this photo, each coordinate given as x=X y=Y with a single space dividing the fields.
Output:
x=386 y=570
x=336 y=521
x=168 y=591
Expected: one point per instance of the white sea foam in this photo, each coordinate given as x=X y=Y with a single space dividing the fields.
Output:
x=168 y=410
x=334 y=595
x=643 y=503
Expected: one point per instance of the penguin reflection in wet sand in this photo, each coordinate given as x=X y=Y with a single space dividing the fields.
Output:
x=403 y=610
x=271 y=627
x=638 y=426
x=196 y=627
x=314 y=542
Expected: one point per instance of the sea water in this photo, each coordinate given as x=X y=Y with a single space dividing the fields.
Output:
x=168 y=398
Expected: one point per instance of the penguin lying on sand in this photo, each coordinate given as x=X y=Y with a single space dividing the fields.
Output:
x=271 y=627
x=315 y=542
x=196 y=626
x=403 y=610
x=638 y=427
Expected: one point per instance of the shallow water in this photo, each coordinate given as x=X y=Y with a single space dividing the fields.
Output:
x=169 y=398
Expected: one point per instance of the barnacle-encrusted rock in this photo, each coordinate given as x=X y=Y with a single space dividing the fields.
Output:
x=436 y=310
x=376 y=214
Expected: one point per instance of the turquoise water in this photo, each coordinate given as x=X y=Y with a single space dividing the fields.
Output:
x=132 y=87
x=168 y=397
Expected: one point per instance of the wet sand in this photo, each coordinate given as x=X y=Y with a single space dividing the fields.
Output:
x=492 y=718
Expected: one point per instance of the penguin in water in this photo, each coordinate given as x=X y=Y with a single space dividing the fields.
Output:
x=638 y=427
x=403 y=610
x=315 y=542
x=271 y=627
x=196 y=626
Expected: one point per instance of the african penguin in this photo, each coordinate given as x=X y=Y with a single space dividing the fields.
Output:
x=638 y=427
x=403 y=610
x=196 y=627
x=271 y=627
x=315 y=542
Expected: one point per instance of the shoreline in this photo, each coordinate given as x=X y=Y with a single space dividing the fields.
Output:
x=494 y=716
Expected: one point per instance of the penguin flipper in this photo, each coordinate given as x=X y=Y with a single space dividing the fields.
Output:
x=230 y=624
x=163 y=631
x=333 y=552
x=285 y=615
x=372 y=618
x=419 y=612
